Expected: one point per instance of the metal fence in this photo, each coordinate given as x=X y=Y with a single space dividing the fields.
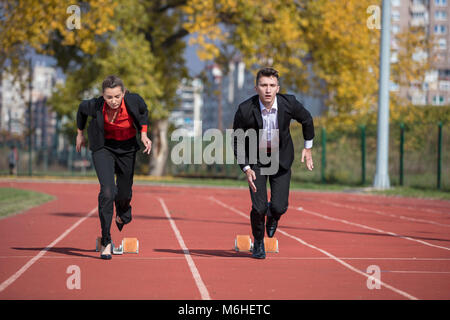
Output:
x=419 y=156
x=45 y=161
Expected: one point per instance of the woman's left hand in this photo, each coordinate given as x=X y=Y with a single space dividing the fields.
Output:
x=146 y=142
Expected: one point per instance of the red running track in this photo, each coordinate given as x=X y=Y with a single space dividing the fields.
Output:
x=328 y=244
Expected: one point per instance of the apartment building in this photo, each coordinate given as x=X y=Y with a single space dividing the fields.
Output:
x=188 y=113
x=14 y=102
x=434 y=17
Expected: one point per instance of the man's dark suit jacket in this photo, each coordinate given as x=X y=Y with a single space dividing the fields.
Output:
x=135 y=105
x=248 y=116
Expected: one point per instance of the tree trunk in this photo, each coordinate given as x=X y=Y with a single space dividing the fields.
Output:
x=160 y=148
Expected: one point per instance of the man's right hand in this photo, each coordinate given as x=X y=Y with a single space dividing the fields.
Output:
x=251 y=176
x=81 y=140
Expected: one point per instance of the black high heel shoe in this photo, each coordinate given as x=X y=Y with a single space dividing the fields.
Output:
x=106 y=256
x=119 y=225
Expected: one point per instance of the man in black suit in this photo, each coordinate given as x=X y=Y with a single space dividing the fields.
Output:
x=269 y=113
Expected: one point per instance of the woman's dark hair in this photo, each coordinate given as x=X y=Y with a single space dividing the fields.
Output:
x=267 y=72
x=112 y=82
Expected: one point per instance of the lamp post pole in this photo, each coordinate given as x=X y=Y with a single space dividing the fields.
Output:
x=381 y=180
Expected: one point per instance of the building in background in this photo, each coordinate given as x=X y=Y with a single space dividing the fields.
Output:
x=224 y=91
x=14 y=117
x=225 y=88
x=48 y=145
x=434 y=17
x=189 y=110
x=13 y=106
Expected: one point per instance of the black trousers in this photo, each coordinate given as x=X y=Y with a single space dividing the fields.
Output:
x=110 y=163
x=279 y=198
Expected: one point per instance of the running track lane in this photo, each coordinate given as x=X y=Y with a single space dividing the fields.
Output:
x=148 y=275
x=424 y=269
x=199 y=250
x=207 y=228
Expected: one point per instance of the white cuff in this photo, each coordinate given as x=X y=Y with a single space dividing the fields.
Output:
x=308 y=144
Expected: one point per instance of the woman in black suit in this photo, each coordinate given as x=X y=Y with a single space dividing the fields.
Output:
x=117 y=117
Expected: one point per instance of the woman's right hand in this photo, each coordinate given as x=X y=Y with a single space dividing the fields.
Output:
x=81 y=140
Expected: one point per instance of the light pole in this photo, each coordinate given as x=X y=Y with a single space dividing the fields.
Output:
x=381 y=180
x=30 y=127
x=217 y=74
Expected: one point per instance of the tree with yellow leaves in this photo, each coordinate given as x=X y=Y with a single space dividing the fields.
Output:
x=146 y=51
x=330 y=38
x=262 y=33
x=32 y=24
x=414 y=57
x=345 y=55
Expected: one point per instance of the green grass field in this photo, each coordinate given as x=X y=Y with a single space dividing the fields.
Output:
x=14 y=201
x=415 y=192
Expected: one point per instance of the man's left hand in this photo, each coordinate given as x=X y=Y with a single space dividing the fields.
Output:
x=306 y=154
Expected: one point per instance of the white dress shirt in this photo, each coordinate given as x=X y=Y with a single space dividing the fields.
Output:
x=270 y=137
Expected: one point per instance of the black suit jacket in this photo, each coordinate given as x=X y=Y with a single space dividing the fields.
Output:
x=134 y=103
x=248 y=116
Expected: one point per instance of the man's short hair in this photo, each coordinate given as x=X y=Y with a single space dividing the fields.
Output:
x=267 y=72
x=112 y=82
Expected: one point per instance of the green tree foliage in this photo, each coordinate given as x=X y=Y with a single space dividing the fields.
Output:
x=34 y=24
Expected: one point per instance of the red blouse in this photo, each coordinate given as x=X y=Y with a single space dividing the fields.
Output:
x=122 y=128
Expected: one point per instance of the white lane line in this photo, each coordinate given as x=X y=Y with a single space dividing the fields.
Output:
x=384 y=213
x=197 y=278
x=234 y=258
x=369 y=228
x=16 y=275
x=403 y=206
x=412 y=271
x=345 y=264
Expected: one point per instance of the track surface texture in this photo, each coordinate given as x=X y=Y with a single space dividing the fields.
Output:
x=331 y=246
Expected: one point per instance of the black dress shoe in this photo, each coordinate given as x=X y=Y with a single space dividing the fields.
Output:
x=271 y=226
x=258 y=250
x=119 y=225
x=106 y=256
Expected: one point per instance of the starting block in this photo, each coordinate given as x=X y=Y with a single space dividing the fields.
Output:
x=244 y=243
x=117 y=250
x=128 y=245
x=271 y=244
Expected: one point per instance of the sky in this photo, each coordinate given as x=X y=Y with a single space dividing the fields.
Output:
x=194 y=64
